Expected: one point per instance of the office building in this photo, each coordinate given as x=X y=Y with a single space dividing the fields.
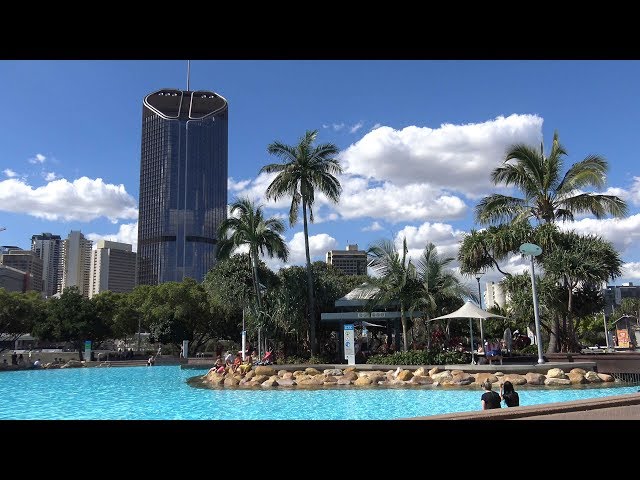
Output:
x=113 y=268
x=350 y=261
x=76 y=262
x=183 y=184
x=48 y=247
x=25 y=261
x=495 y=294
x=614 y=294
x=13 y=280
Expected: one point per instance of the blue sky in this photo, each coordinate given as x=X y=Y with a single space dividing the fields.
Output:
x=418 y=141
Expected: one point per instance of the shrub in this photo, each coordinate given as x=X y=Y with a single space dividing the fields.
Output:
x=528 y=350
x=421 y=357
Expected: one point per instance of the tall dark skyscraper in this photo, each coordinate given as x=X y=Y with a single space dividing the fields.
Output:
x=183 y=184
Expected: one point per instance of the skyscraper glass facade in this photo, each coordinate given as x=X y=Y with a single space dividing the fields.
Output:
x=183 y=184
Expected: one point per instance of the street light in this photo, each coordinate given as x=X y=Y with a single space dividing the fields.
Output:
x=478 y=275
x=534 y=250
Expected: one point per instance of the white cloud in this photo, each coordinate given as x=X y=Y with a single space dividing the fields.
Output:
x=623 y=233
x=412 y=202
x=374 y=227
x=631 y=271
x=377 y=125
x=49 y=176
x=318 y=246
x=446 y=239
x=456 y=157
x=39 y=158
x=634 y=192
x=83 y=200
x=127 y=233
x=10 y=173
x=338 y=126
x=356 y=127
x=234 y=186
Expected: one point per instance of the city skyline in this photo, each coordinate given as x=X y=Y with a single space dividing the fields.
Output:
x=418 y=141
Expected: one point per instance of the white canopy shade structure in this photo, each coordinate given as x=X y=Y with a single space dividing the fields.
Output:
x=469 y=310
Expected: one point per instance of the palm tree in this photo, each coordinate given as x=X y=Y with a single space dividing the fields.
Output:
x=395 y=278
x=439 y=286
x=548 y=196
x=304 y=169
x=247 y=226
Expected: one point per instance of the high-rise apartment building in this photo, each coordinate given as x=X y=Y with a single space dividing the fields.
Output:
x=76 y=262
x=48 y=247
x=351 y=261
x=25 y=261
x=183 y=184
x=113 y=268
x=495 y=294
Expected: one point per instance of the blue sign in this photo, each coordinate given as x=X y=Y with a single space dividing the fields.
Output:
x=348 y=326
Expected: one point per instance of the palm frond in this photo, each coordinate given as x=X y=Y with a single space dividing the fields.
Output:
x=598 y=205
x=590 y=172
x=498 y=208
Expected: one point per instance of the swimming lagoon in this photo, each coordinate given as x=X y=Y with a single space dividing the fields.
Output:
x=162 y=393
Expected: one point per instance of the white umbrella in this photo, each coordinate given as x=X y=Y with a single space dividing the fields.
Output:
x=469 y=310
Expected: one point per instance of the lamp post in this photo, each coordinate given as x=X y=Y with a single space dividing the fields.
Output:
x=534 y=250
x=244 y=335
x=139 y=325
x=478 y=275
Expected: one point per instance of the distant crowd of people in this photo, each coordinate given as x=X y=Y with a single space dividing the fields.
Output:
x=235 y=364
x=20 y=361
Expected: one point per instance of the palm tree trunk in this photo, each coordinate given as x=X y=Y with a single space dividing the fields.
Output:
x=404 y=328
x=553 y=334
x=312 y=308
x=572 y=341
x=256 y=280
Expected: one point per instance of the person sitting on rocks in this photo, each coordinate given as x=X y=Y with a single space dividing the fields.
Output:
x=219 y=366
x=246 y=365
x=236 y=362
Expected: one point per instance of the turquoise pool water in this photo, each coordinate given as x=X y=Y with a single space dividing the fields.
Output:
x=161 y=393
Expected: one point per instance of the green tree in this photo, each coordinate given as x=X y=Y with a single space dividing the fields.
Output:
x=305 y=168
x=547 y=194
x=287 y=304
x=247 y=226
x=227 y=284
x=105 y=307
x=395 y=279
x=179 y=311
x=18 y=313
x=71 y=318
x=439 y=288
x=580 y=260
x=628 y=306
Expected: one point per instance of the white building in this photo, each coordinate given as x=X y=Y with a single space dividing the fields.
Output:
x=49 y=248
x=76 y=262
x=113 y=268
x=494 y=294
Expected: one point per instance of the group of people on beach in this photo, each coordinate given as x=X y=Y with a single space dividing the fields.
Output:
x=491 y=399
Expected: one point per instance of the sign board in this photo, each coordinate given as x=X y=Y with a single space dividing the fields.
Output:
x=87 y=350
x=349 y=344
x=623 y=338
